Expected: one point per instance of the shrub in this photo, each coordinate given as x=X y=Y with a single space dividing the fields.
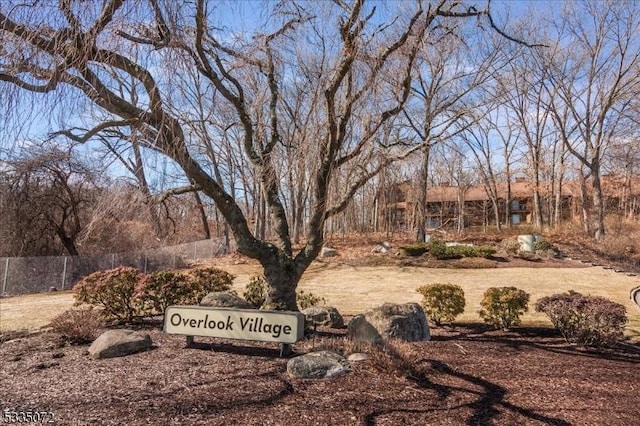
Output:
x=255 y=291
x=484 y=251
x=206 y=280
x=437 y=248
x=543 y=245
x=415 y=250
x=161 y=289
x=307 y=300
x=585 y=320
x=342 y=345
x=510 y=246
x=442 y=302
x=78 y=326
x=440 y=250
x=395 y=356
x=202 y=281
x=503 y=306
x=545 y=249
x=255 y=294
x=113 y=290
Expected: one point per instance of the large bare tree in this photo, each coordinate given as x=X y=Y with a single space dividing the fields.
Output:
x=360 y=56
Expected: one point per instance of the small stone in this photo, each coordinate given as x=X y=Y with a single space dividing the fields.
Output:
x=328 y=252
x=358 y=356
x=318 y=365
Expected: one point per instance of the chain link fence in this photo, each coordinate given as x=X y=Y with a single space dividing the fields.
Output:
x=24 y=275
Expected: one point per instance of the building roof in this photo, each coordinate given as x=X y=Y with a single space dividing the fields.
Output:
x=521 y=188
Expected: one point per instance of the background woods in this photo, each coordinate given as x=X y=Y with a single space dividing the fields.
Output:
x=136 y=124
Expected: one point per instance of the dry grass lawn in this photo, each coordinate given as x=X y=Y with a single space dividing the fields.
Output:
x=355 y=289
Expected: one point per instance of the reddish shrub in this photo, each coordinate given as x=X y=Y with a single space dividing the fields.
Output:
x=113 y=290
x=78 y=325
x=161 y=289
x=585 y=320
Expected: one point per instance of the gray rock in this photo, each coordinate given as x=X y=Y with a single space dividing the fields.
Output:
x=115 y=343
x=358 y=356
x=326 y=316
x=360 y=330
x=328 y=252
x=383 y=247
x=407 y=322
x=318 y=365
x=225 y=299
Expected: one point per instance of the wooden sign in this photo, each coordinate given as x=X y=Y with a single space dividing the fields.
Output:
x=231 y=323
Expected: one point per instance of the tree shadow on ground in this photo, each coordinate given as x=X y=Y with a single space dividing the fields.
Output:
x=238 y=349
x=521 y=338
x=206 y=396
x=487 y=404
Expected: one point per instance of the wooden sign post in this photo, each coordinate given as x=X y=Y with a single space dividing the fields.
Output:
x=230 y=323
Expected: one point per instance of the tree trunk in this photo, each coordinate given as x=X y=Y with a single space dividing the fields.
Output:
x=558 y=208
x=584 y=203
x=537 y=208
x=67 y=242
x=423 y=180
x=143 y=185
x=460 y=225
x=560 y=178
x=496 y=213
x=203 y=216
x=507 y=202
x=282 y=280
x=598 y=204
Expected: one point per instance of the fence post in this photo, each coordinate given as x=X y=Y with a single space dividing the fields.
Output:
x=6 y=273
x=195 y=251
x=113 y=260
x=64 y=272
x=145 y=263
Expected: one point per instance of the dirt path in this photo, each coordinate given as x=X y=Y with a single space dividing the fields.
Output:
x=354 y=289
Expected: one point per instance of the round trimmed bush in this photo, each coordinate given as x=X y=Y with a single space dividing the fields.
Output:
x=585 y=320
x=503 y=306
x=442 y=301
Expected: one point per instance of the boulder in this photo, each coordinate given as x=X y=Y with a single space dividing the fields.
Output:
x=383 y=247
x=115 y=343
x=225 y=299
x=318 y=365
x=406 y=321
x=328 y=252
x=325 y=316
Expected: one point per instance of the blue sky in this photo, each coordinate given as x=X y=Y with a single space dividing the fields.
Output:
x=246 y=14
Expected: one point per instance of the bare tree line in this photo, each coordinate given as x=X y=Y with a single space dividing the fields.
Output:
x=295 y=126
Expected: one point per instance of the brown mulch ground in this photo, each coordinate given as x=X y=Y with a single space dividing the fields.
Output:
x=467 y=375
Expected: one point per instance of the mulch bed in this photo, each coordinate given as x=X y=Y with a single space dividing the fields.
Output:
x=467 y=375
